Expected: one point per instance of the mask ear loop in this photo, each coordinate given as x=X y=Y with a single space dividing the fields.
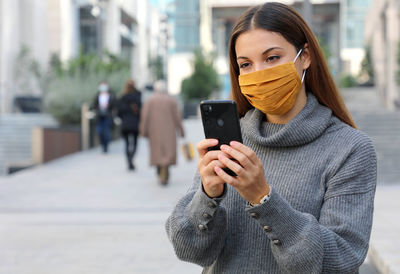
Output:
x=297 y=56
x=304 y=75
x=304 y=71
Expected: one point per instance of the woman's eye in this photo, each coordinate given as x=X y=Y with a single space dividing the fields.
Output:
x=273 y=58
x=244 y=65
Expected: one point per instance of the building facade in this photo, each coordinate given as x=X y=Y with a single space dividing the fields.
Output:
x=184 y=19
x=353 y=14
x=382 y=34
x=187 y=25
x=66 y=27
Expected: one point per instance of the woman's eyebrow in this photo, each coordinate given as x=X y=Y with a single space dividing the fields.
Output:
x=264 y=53
x=268 y=50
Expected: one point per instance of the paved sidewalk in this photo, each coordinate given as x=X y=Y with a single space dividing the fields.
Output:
x=384 y=251
x=383 y=128
x=86 y=213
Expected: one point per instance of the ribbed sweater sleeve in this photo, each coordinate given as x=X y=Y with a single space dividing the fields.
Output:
x=346 y=215
x=204 y=220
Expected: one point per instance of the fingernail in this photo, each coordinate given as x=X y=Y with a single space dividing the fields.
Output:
x=234 y=143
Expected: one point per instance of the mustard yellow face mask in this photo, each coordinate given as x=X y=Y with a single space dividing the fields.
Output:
x=273 y=90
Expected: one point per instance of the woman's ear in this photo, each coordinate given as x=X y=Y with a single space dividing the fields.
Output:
x=305 y=57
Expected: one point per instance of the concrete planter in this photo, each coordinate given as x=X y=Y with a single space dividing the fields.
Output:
x=49 y=143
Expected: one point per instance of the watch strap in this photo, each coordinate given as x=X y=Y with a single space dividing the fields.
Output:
x=262 y=200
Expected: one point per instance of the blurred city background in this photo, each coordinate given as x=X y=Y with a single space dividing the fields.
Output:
x=57 y=188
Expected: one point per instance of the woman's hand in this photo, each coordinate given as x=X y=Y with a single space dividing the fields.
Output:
x=212 y=183
x=250 y=181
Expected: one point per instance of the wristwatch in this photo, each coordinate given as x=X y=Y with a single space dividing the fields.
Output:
x=263 y=200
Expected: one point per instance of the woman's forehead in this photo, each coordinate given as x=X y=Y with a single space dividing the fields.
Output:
x=260 y=39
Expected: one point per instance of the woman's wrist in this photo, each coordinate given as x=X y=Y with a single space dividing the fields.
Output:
x=263 y=198
x=219 y=195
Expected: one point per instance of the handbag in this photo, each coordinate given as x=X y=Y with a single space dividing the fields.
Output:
x=188 y=150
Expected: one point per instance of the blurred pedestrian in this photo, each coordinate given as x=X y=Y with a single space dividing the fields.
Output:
x=129 y=106
x=303 y=197
x=104 y=105
x=160 y=121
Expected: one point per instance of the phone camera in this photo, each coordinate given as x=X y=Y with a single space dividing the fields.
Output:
x=207 y=108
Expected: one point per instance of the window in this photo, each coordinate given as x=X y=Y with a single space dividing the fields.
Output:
x=88 y=26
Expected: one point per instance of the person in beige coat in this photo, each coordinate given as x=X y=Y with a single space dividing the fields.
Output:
x=160 y=122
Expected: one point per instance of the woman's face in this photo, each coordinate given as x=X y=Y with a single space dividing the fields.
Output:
x=259 y=49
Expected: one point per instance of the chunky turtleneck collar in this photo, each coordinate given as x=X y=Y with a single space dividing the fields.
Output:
x=308 y=125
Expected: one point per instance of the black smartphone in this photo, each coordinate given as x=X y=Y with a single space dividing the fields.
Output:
x=221 y=121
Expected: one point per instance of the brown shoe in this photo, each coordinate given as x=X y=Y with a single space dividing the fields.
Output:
x=164 y=175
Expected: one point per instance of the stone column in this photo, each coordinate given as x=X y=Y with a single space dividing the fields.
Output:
x=141 y=64
x=205 y=26
x=69 y=29
x=111 y=18
x=40 y=48
x=221 y=33
x=9 y=47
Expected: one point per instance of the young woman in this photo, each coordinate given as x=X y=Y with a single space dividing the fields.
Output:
x=129 y=107
x=303 y=198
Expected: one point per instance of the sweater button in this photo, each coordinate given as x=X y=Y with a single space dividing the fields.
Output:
x=267 y=228
x=212 y=205
x=254 y=215
x=277 y=242
x=202 y=227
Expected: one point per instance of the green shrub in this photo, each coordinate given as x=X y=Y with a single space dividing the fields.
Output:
x=325 y=48
x=76 y=83
x=347 y=81
x=157 y=67
x=67 y=94
x=203 y=81
x=367 y=69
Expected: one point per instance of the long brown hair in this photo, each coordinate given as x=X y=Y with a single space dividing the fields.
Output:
x=279 y=18
x=129 y=87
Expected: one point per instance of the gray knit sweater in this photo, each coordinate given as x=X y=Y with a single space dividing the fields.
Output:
x=318 y=219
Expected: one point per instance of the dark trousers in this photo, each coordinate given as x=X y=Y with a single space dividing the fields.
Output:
x=130 y=138
x=103 y=129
